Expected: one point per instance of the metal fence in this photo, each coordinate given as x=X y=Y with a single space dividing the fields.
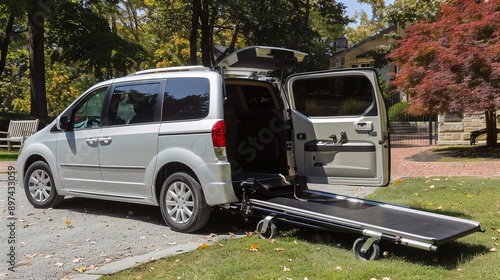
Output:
x=414 y=131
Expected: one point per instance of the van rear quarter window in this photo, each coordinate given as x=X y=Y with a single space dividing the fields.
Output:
x=333 y=96
x=186 y=98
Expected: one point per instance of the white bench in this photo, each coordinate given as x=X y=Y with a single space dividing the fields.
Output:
x=18 y=131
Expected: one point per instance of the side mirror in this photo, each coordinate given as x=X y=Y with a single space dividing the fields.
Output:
x=62 y=123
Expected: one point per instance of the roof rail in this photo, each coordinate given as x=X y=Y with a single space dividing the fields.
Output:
x=170 y=69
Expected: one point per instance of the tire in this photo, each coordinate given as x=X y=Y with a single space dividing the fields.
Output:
x=373 y=252
x=183 y=204
x=39 y=186
x=270 y=232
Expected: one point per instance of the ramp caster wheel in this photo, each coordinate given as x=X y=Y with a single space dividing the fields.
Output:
x=366 y=249
x=266 y=229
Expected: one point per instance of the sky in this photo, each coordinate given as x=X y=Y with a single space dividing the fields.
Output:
x=353 y=6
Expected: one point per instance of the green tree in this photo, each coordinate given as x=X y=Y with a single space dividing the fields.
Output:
x=85 y=38
x=411 y=11
x=367 y=26
x=297 y=24
x=456 y=65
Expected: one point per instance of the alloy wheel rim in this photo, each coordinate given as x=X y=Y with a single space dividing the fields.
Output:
x=40 y=185
x=179 y=202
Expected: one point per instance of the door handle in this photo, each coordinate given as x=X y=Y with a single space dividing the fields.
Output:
x=363 y=126
x=105 y=140
x=91 y=141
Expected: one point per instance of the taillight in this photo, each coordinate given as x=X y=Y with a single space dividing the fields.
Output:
x=219 y=139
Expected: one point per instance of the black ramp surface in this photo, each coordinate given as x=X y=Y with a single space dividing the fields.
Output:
x=387 y=219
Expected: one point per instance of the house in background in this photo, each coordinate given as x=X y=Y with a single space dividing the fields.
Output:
x=359 y=54
x=451 y=128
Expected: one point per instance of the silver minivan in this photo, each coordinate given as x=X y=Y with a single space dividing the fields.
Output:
x=185 y=138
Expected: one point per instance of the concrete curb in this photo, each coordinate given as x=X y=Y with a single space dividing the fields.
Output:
x=130 y=262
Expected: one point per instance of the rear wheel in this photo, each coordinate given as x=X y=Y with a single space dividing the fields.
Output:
x=373 y=252
x=39 y=186
x=183 y=204
x=270 y=231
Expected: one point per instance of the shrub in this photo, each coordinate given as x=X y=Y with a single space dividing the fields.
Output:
x=397 y=112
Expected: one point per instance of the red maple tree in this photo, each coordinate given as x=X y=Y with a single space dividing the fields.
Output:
x=453 y=64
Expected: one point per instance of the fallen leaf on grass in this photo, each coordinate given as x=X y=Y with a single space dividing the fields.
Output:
x=278 y=249
x=338 y=268
x=254 y=248
x=286 y=268
x=203 y=246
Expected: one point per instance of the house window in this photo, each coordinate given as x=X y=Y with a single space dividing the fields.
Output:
x=361 y=65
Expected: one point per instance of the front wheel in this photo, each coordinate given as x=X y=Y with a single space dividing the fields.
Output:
x=39 y=186
x=183 y=204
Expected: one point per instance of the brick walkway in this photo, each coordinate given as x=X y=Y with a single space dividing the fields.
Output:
x=401 y=167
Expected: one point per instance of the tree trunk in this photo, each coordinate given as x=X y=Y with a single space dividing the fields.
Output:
x=491 y=127
x=5 y=43
x=205 y=35
x=36 y=32
x=193 y=37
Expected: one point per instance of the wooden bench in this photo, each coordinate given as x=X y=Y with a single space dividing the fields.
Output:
x=18 y=131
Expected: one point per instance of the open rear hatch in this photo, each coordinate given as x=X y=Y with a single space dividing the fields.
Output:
x=259 y=61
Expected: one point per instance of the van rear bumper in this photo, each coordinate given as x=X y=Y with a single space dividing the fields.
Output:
x=215 y=179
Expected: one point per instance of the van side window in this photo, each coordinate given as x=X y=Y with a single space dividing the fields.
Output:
x=131 y=104
x=87 y=114
x=334 y=96
x=186 y=98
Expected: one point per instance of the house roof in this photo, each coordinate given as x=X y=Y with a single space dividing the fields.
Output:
x=382 y=32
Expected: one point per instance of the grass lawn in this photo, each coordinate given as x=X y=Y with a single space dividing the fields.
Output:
x=8 y=156
x=305 y=254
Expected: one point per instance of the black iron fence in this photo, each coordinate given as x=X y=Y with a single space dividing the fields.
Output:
x=413 y=131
